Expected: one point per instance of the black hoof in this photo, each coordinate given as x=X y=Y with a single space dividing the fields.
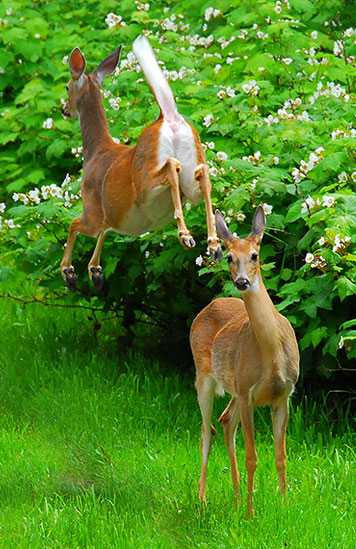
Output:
x=97 y=277
x=216 y=255
x=71 y=279
x=188 y=242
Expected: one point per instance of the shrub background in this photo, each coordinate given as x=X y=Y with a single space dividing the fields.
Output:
x=271 y=90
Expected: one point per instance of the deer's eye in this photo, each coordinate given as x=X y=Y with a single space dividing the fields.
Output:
x=254 y=257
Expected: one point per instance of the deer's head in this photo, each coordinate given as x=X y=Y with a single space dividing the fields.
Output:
x=243 y=254
x=82 y=84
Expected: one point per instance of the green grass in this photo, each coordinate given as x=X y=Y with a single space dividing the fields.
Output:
x=100 y=450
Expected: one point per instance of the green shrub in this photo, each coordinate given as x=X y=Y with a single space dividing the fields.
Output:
x=269 y=87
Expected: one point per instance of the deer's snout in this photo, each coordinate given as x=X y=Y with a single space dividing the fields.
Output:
x=242 y=284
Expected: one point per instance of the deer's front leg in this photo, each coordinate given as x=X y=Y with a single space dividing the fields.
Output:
x=202 y=176
x=170 y=171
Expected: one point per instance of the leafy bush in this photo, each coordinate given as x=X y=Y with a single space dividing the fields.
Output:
x=269 y=87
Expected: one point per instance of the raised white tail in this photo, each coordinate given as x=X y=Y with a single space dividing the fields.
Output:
x=155 y=78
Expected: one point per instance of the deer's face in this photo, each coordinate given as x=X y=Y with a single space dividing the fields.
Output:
x=243 y=260
x=75 y=89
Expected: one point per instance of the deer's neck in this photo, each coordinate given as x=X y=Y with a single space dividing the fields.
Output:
x=264 y=319
x=93 y=124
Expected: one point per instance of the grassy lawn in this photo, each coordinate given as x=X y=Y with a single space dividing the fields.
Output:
x=99 y=450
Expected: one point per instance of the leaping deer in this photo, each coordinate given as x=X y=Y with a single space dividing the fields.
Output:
x=245 y=347
x=133 y=189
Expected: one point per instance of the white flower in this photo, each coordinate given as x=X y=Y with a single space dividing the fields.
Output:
x=114 y=103
x=2 y=207
x=276 y=160
x=328 y=201
x=321 y=241
x=267 y=208
x=230 y=92
x=48 y=124
x=314 y=35
x=251 y=87
x=309 y=258
x=217 y=68
x=353 y=176
x=240 y=216
x=10 y=223
x=210 y=144
x=213 y=172
x=309 y=204
x=188 y=206
x=199 y=261
x=287 y=60
x=342 y=177
x=221 y=155
x=221 y=94
x=341 y=342
x=208 y=120
x=230 y=212
x=113 y=20
x=37 y=35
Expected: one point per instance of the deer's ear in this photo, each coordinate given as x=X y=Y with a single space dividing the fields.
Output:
x=76 y=64
x=107 y=67
x=221 y=228
x=258 y=224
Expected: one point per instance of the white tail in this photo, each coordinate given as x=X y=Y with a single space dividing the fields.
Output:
x=133 y=189
x=155 y=78
x=248 y=349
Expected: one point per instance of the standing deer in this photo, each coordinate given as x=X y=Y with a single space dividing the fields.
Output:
x=245 y=347
x=133 y=189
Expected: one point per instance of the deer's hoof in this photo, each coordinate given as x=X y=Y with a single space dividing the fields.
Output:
x=188 y=242
x=70 y=278
x=216 y=255
x=97 y=277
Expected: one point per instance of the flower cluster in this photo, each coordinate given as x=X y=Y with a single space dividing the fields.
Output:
x=211 y=13
x=341 y=243
x=173 y=24
x=77 y=151
x=279 y=6
x=115 y=103
x=140 y=6
x=197 y=40
x=208 y=120
x=342 y=134
x=305 y=167
x=331 y=89
x=112 y=20
x=46 y=192
x=310 y=203
x=226 y=91
x=253 y=158
x=316 y=261
x=48 y=124
x=251 y=88
x=288 y=112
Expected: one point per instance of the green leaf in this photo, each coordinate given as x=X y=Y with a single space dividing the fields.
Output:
x=345 y=287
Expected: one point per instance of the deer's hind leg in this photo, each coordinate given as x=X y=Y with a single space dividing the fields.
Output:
x=201 y=176
x=89 y=223
x=168 y=173
x=206 y=393
x=230 y=419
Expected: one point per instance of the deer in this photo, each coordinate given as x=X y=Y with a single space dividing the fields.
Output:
x=248 y=349
x=133 y=189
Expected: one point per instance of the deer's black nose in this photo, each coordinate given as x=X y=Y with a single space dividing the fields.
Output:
x=242 y=284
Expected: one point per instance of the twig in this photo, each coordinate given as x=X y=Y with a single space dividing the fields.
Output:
x=106 y=454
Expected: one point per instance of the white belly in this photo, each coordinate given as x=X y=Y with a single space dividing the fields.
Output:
x=153 y=214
